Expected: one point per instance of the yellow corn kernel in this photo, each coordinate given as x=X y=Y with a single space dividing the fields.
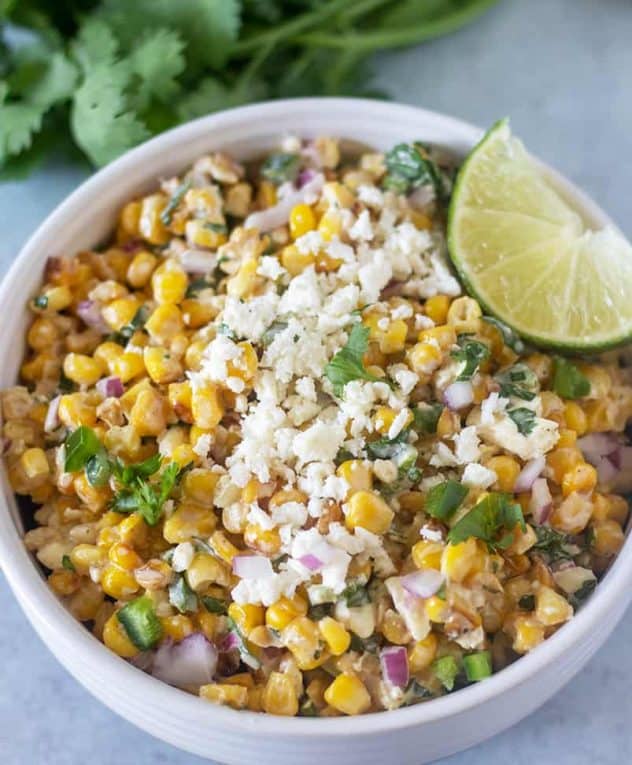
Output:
x=427 y=554
x=177 y=626
x=75 y=409
x=385 y=416
x=207 y=406
x=207 y=234
x=573 y=515
x=287 y=495
x=199 y=485
x=303 y=639
x=223 y=547
x=235 y=696
x=610 y=506
x=529 y=633
x=42 y=334
x=161 y=365
x=58 y=298
x=187 y=521
x=336 y=636
x=608 y=537
x=84 y=557
x=599 y=378
x=196 y=313
x=507 y=470
x=551 y=608
x=357 y=474
x=302 y=220
x=116 y=639
x=457 y=560
x=266 y=195
x=245 y=365
x=567 y=439
x=150 y=226
x=582 y=478
x=84 y=604
x=330 y=225
x=206 y=570
x=118 y=583
x=165 y=323
x=120 y=312
x=34 y=463
x=94 y=497
x=279 y=696
x=148 y=416
x=209 y=624
x=169 y=283
x=437 y=307
x=424 y=358
x=442 y=335
x=422 y=653
x=370 y=511
x=243 y=283
x=128 y=221
x=436 y=609
x=246 y=616
x=348 y=695
x=241 y=678
x=266 y=541
x=296 y=262
x=107 y=352
x=205 y=202
x=285 y=610
x=389 y=334
x=141 y=268
x=179 y=396
x=420 y=220
x=64 y=583
x=81 y=369
x=464 y=315
x=575 y=417
x=599 y=415
x=124 y=556
x=560 y=461
x=184 y=455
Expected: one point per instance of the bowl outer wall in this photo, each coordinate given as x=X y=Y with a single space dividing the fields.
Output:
x=413 y=735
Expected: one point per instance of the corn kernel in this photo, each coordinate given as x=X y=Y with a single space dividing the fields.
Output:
x=187 y=521
x=81 y=369
x=385 y=416
x=124 y=556
x=582 y=478
x=207 y=406
x=437 y=307
x=149 y=416
x=207 y=234
x=336 y=636
x=464 y=315
x=243 y=283
x=427 y=554
x=177 y=626
x=165 y=323
x=150 y=225
x=246 y=616
x=118 y=583
x=357 y=474
x=161 y=365
x=608 y=537
x=424 y=358
x=129 y=219
x=116 y=639
x=235 y=696
x=169 y=283
x=199 y=485
x=34 y=463
x=348 y=695
x=422 y=653
x=529 y=633
x=303 y=639
x=507 y=470
x=551 y=608
x=223 y=547
x=575 y=417
x=302 y=220
x=443 y=335
x=294 y=261
x=279 y=696
x=285 y=610
x=266 y=541
x=58 y=298
x=370 y=511
x=560 y=461
x=457 y=559
x=206 y=570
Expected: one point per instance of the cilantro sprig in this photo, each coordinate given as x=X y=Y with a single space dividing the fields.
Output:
x=568 y=380
x=140 y=495
x=472 y=353
x=105 y=75
x=347 y=364
x=524 y=418
x=493 y=520
x=409 y=166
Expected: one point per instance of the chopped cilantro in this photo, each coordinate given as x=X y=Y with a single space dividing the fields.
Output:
x=444 y=499
x=554 y=544
x=426 y=418
x=472 y=353
x=446 y=669
x=409 y=166
x=41 y=301
x=138 y=322
x=178 y=195
x=214 y=605
x=128 y=475
x=67 y=563
x=386 y=448
x=196 y=286
x=493 y=520
x=355 y=594
x=370 y=644
x=524 y=419
x=224 y=329
x=568 y=381
x=217 y=228
x=527 y=602
x=272 y=331
x=147 y=498
x=80 y=446
x=281 y=168
x=347 y=364
x=65 y=384
x=242 y=647
x=579 y=597
x=98 y=469
x=518 y=381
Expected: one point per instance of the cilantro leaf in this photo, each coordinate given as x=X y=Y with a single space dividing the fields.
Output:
x=444 y=499
x=98 y=469
x=157 y=61
x=426 y=417
x=19 y=121
x=128 y=475
x=568 y=381
x=518 y=381
x=524 y=419
x=80 y=446
x=385 y=448
x=67 y=563
x=409 y=166
x=472 y=353
x=347 y=364
x=142 y=496
x=178 y=195
x=214 y=605
x=212 y=95
x=487 y=520
x=355 y=594
x=181 y=596
x=280 y=168
x=510 y=337
x=554 y=544
x=241 y=646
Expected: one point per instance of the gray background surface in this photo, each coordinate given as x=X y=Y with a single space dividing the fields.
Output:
x=562 y=70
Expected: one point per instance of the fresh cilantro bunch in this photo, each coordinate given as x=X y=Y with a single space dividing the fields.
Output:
x=100 y=76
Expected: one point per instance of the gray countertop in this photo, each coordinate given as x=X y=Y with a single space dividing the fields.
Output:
x=561 y=69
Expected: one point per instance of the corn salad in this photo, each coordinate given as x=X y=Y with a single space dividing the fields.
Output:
x=272 y=454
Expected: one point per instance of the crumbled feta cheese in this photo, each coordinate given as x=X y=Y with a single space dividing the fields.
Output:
x=319 y=443
x=398 y=424
x=203 y=445
x=432 y=535
x=492 y=405
x=405 y=379
x=251 y=318
x=505 y=433
x=303 y=294
x=477 y=476
x=182 y=556
x=385 y=470
x=362 y=229
x=305 y=387
x=467 y=445
x=270 y=268
x=374 y=276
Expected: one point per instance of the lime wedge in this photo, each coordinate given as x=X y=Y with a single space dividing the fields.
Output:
x=530 y=259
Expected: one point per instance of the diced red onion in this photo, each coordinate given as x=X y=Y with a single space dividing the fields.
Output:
x=623 y=482
x=458 y=395
x=424 y=583
x=541 y=502
x=90 y=313
x=394 y=661
x=252 y=566
x=191 y=662
x=305 y=176
x=110 y=387
x=52 y=421
x=311 y=562
x=607 y=469
x=278 y=215
x=311 y=153
x=529 y=473
x=597 y=445
x=229 y=643
x=198 y=261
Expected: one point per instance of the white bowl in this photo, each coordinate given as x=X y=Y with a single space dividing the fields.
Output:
x=414 y=735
